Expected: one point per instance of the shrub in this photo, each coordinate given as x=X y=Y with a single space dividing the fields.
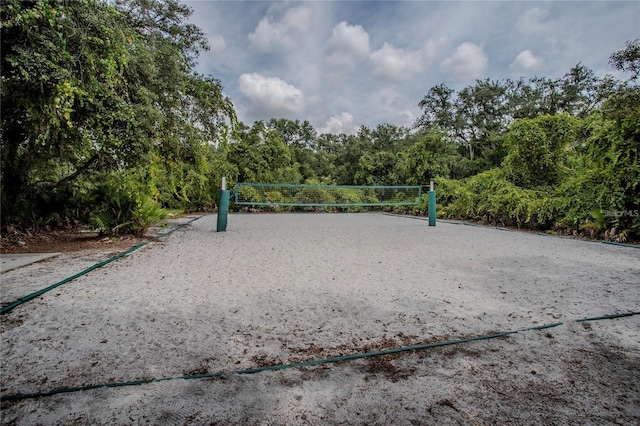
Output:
x=274 y=197
x=250 y=194
x=314 y=196
x=350 y=196
x=124 y=204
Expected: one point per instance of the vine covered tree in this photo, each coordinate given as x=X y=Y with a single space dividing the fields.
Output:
x=91 y=88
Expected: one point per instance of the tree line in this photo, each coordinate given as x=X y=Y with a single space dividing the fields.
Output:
x=104 y=121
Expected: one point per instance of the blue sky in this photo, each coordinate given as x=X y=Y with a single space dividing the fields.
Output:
x=343 y=64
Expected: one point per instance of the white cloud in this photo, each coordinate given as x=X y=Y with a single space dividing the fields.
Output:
x=270 y=96
x=272 y=35
x=394 y=63
x=525 y=62
x=559 y=33
x=347 y=45
x=468 y=62
x=342 y=123
x=402 y=64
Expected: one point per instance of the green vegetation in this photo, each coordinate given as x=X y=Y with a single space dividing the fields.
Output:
x=105 y=122
x=97 y=94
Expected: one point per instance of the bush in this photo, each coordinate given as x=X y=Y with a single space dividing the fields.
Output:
x=124 y=205
x=350 y=196
x=249 y=194
x=314 y=196
x=490 y=198
x=275 y=197
x=536 y=149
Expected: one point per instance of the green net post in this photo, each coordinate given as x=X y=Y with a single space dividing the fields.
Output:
x=432 y=206
x=223 y=207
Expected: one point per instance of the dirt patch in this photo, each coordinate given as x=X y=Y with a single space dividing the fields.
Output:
x=64 y=241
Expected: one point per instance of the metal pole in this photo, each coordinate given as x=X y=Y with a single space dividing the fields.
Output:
x=432 y=205
x=223 y=207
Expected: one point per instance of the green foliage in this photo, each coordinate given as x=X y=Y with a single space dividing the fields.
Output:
x=314 y=196
x=67 y=112
x=478 y=117
x=250 y=193
x=192 y=185
x=612 y=157
x=351 y=196
x=91 y=87
x=552 y=179
x=429 y=156
x=376 y=168
x=124 y=205
x=490 y=198
x=537 y=148
x=597 y=222
x=355 y=196
x=261 y=156
x=274 y=197
x=628 y=59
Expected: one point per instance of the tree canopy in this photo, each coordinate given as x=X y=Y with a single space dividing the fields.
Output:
x=91 y=88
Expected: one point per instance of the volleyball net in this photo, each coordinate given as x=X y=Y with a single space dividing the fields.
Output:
x=298 y=195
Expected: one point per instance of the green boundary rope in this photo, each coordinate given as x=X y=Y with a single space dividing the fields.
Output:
x=22 y=396
x=406 y=216
x=606 y=317
x=621 y=244
x=33 y=295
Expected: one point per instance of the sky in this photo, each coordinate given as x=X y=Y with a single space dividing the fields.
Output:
x=344 y=64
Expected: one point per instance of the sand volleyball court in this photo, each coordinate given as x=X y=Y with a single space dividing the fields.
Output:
x=277 y=289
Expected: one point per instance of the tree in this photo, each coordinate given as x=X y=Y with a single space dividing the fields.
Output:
x=475 y=118
x=349 y=150
x=613 y=152
x=300 y=138
x=386 y=137
x=580 y=91
x=438 y=111
x=98 y=87
x=628 y=59
x=429 y=155
x=536 y=149
x=376 y=168
x=261 y=156
x=64 y=67
x=482 y=116
x=294 y=133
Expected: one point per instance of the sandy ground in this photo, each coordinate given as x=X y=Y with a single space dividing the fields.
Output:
x=279 y=288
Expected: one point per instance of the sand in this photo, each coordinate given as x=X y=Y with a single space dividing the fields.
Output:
x=281 y=288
